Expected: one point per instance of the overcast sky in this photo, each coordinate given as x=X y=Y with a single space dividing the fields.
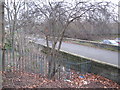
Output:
x=113 y=1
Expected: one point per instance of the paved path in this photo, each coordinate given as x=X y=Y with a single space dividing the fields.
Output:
x=100 y=55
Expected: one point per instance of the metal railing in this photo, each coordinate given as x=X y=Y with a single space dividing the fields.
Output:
x=27 y=60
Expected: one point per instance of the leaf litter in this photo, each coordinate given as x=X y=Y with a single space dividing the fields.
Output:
x=32 y=80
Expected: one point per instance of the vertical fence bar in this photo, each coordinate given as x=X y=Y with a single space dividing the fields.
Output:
x=7 y=61
x=29 y=60
x=0 y=59
x=16 y=59
x=15 y=63
x=36 y=62
x=3 y=36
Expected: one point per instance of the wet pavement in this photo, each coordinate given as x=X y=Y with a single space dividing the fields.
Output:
x=105 y=56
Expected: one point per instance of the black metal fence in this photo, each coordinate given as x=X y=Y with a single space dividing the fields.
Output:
x=32 y=60
x=0 y=59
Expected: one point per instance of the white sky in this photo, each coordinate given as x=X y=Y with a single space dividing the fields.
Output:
x=113 y=1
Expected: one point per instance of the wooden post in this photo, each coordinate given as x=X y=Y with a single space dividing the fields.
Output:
x=2 y=33
x=2 y=38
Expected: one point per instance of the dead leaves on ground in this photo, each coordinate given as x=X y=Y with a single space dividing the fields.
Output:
x=31 y=80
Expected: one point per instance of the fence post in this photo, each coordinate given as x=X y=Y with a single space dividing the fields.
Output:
x=2 y=38
x=3 y=33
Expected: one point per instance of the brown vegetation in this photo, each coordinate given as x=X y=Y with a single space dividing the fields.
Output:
x=31 y=80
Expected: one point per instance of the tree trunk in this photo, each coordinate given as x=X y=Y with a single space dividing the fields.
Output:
x=47 y=41
x=51 y=67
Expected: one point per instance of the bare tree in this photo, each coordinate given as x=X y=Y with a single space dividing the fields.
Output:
x=57 y=16
x=15 y=33
x=53 y=19
x=96 y=23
